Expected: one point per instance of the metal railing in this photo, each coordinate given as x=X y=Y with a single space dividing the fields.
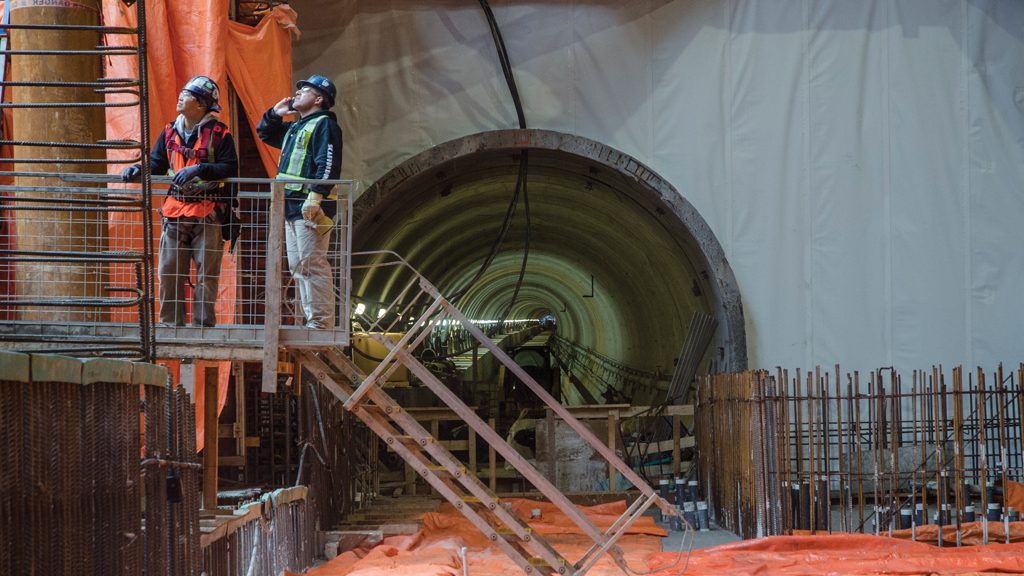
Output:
x=256 y=297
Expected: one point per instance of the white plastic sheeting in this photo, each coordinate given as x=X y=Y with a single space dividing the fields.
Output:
x=861 y=162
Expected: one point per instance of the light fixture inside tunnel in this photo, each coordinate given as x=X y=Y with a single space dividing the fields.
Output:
x=360 y=308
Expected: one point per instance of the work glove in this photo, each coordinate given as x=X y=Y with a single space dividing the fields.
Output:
x=187 y=174
x=311 y=210
x=131 y=173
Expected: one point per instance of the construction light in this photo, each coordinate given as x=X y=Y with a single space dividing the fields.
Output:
x=360 y=308
x=380 y=313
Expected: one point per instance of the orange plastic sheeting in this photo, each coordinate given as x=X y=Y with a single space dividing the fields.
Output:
x=840 y=554
x=185 y=39
x=199 y=399
x=435 y=549
x=971 y=534
x=1014 y=495
x=260 y=66
x=551 y=520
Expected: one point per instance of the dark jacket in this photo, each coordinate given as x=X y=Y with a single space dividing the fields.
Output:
x=226 y=165
x=323 y=155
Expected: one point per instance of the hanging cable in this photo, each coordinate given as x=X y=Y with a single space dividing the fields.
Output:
x=506 y=69
x=494 y=246
x=526 y=243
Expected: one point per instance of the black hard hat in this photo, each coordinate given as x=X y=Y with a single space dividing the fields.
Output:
x=206 y=91
x=322 y=85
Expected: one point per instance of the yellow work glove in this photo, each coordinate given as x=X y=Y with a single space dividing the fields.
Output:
x=311 y=210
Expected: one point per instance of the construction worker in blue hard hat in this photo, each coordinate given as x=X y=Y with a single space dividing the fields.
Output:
x=196 y=149
x=310 y=151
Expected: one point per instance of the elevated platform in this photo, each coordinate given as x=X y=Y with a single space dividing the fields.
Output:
x=229 y=342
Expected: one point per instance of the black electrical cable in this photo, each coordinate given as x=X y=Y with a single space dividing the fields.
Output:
x=523 y=162
x=506 y=66
x=506 y=69
x=494 y=247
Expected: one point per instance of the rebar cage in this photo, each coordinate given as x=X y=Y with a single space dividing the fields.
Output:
x=823 y=451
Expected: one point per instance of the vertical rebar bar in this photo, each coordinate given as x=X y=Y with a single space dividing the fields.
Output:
x=812 y=478
x=860 y=453
x=840 y=469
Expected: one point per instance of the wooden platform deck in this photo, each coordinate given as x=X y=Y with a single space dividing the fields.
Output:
x=226 y=342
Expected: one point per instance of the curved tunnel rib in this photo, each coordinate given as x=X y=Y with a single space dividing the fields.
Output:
x=601 y=221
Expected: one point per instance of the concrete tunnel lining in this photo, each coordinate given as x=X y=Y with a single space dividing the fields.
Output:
x=595 y=211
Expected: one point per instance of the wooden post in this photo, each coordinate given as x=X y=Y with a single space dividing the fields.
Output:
x=272 y=308
x=435 y=431
x=497 y=399
x=344 y=246
x=210 y=438
x=492 y=460
x=375 y=441
x=410 y=481
x=472 y=452
x=675 y=446
x=239 y=369
x=551 y=432
x=476 y=364
x=613 y=426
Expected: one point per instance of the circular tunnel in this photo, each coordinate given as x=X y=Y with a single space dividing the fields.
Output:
x=616 y=254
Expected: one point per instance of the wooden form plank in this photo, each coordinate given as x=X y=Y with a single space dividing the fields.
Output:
x=210 y=438
x=601 y=411
x=676 y=425
x=272 y=309
x=492 y=460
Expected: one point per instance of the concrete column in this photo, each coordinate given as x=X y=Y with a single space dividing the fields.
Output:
x=58 y=231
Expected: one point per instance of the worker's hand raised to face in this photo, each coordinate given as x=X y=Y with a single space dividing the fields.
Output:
x=284 y=107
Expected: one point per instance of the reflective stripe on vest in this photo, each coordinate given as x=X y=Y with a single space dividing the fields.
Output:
x=179 y=156
x=298 y=141
x=210 y=136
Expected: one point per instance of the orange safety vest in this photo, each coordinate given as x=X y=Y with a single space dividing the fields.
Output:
x=179 y=156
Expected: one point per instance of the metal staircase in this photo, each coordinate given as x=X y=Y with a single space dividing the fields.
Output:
x=364 y=396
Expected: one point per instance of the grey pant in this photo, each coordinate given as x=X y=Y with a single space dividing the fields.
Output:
x=308 y=263
x=183 y=241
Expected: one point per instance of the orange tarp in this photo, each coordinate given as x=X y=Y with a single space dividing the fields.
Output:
x=260 y=67
x=435 y=551
x=186 y=39
x=840 y=554
x=971 y=534
x=1014 y=496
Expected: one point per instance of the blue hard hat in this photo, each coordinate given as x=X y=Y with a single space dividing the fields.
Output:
x=205 y=90
x=320 y=84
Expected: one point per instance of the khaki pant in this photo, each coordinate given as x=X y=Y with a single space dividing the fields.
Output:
x=307 y=261
x=183 y=241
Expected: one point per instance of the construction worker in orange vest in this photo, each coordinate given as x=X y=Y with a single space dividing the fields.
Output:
x=197 y=150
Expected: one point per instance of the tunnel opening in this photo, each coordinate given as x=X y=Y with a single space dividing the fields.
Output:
x=618 y=260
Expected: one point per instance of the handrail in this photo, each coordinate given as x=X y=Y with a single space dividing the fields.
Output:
x=116 y=245
x=158 y=179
